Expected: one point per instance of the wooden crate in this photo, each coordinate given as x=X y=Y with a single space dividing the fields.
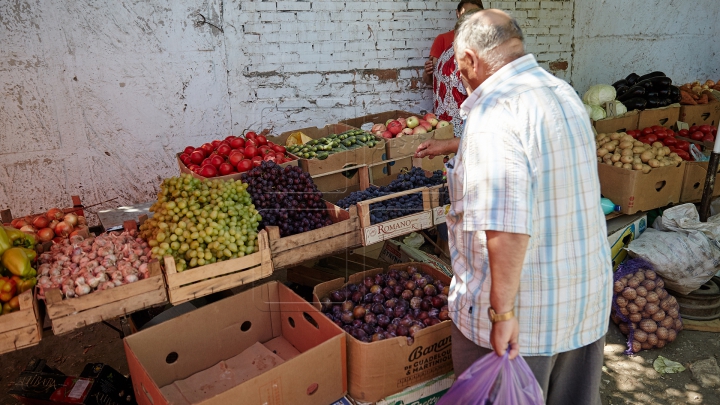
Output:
x=73 y=313
x=395 y=227
x=205 y=280
x=439 y=211
x=294 y=249
x=21 y=328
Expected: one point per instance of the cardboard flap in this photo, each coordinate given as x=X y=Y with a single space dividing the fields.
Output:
x=300 y=324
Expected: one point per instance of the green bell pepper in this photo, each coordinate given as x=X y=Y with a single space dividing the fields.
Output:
x=5 y=242
x=17 y=262
x=20 y=238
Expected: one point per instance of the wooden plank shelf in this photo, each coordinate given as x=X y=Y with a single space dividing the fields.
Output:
x=69 y=314
x=22 y=328
x=205 y=280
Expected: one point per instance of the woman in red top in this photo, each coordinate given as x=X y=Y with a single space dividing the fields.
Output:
x=442 y=73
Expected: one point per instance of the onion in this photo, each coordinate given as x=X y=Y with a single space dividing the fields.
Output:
x=71 y=219
x=28 y=229
x=53 y=224
x=55 y=213
x=19 y=223
x=41 y=222
x=81 y=220
x=45 y=234
x=63 y=229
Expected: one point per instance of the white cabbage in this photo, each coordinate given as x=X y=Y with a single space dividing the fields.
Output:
x=620 y=108
x=597 y=113
x=599 y=94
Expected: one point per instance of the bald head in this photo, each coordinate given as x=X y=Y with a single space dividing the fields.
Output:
x=493 y=35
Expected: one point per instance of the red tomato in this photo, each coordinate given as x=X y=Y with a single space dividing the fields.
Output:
x=269 y=158
x=235 y=158
x=256 y=160
x=261 y=140
x=251 y=135
x=705 y=129
x=669 y=141
x=225 y=169
x=708 y=138
x=647 y=131
x=224 y=149
x=684 y=133
x=237 y=143
x=651 y=138
x=250 y=151
x=633 y=133
x=644 y=139
x=683 y=154
x=714 y=131
x=661 y=134
x=189 y=149
x=683 y=145
x=279 y=148
x=208 y=148
x=657 y=127
x=217 y=160
x=251 y=142
x=230 y=138
x=693 y=128
x=696 y=136
x=669 y=132
x=216 y=143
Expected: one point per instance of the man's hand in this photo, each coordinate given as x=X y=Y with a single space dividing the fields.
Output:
x=437 y=147
x=505 y=333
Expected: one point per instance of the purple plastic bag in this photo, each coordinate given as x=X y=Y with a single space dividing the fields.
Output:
x=495 y=380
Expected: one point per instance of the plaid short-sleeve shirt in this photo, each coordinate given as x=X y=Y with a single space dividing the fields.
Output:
x=526 y=164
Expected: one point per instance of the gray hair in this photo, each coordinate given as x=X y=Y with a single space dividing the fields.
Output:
x=466 y=16
x=485 y=39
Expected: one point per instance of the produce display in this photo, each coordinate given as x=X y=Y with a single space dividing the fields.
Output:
x=321 y=148
x=648 y=151
x=652 y=90
x=387 y=305
x=233 y=155
x=643 y=309
x=200 y=222
x=79 y=266
x=695 y=93
x=52 y=225
x=286 y=198
x=396 y=207
x=17 y=252
x=703 y=133
x=396 y=128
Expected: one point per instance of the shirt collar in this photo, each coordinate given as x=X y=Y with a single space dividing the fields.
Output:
x=513 y=68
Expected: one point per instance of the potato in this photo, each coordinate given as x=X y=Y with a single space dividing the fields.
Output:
x=658 y=316
x=624 y=329
x=668 y=322
x=618 y=164
x=626 y=152
x=640 y=336
x=634 y=282
x=652 y=296
x=657 y=145
x=635 y=318
x=660 y=153
x=618 y=286
x=641 y=291
x=673 y=155
x=649 y=284
x=610 y=147
x=608 y=156
x=621 y=301
x=666 y=150
x=609 y=162
x=646 y=156
x=671 y=335
x=636 y=166
x=602 y=152
x=636 y=160
x=615 y=136
x=627 y=166
x=648 y=325
x=653 y=163
x=652 y=308
x=654 y=150
x=646 y=169
x=625 y=145
x=627 y=138
x=616 y=157
x=640 y=301
x=638 y=143
x=638 y=150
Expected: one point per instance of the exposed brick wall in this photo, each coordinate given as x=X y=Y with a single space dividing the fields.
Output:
x=314 y=62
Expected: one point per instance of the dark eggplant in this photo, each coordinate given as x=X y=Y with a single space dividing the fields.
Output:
x=632 y=92
x=667 y=102
x=651 y=94
x=620 y=90
x=664 y=92
x=657 y=83
x=653 y=102
x=637 y=103
x=631 y=79
x=619 y=83
x=651 y=75
x=674 y=94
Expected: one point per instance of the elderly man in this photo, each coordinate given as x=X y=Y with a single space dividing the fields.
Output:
x=527 y=234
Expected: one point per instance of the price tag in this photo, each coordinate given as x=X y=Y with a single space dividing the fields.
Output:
x=610 y=109
x=682 y=125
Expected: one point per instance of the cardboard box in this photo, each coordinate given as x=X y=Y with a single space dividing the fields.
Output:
x=385 y=367
x=405 y=145
x=625 y=122
x=665 y=116
x=196 y=341
x=236 y=176
x=427 y=393
x=621 y=231
x=703 y=114
x=635 y=191
x=338 y=160
x=694 y=182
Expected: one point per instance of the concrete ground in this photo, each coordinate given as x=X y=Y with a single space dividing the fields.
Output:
x=625 y=380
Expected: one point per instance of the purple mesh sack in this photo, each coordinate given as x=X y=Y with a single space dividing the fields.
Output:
x=495 y=380
x=642 y=307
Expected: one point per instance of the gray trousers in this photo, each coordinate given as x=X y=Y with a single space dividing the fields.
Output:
x=570 y=378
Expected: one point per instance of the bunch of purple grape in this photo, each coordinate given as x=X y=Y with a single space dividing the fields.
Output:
x=388 y=305
x=286 y=198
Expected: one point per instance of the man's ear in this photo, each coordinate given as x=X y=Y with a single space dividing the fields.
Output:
x=471 y=58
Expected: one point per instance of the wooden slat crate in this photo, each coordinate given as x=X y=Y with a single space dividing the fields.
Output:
x=344 y=233
x=21 y=328
x=205 y=280
x=395 y=227
x=72 y=313
x=439 y=211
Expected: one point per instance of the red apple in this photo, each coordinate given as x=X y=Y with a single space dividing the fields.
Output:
x=428 y=127
x=412 y=122
x=389 y=121
x=251 y=135
x=224 y=149
x=395 y=127
x=427 y=117
x=387 y=134
x=250 y=151
x=244 y=165
x=433 y=121
x=408 y=131
x=217 y=160
x=442 y=124
x=403 y=122
x=225 y=169
x=189 y=149
x=419 y=130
